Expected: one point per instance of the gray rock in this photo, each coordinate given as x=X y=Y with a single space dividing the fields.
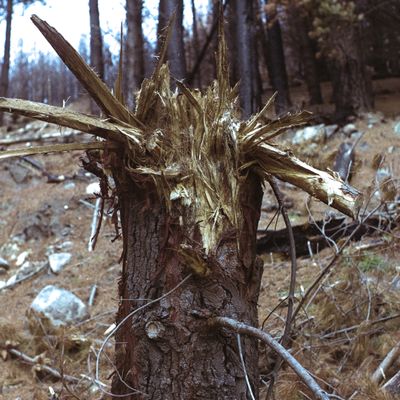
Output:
x=330 y=130
x=28 y=268
x=397 y=128
x=58 y=261
x=59 y=306
x=314 y=133
x=19 y=173
x=349 y=129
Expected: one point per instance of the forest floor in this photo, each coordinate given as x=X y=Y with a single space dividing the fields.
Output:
x=341 y=336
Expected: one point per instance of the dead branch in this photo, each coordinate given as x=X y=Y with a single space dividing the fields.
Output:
x=392 y=386
x=288 y=323
x=86 y=76
x=386 y=363
x=42 y=367
x=53 y=148
x=322 y=185
x=39 y=136
x=71 y=119
x=239 y=327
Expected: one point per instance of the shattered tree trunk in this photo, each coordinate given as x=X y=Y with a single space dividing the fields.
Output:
x=188 y=175
x=166 y=351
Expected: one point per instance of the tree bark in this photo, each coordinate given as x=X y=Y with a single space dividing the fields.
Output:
x=352 y=87
x=96 y=40
x=167 y=351
x=246 y=59
x=176 y=48
x=135 y=49
x=276 y=64
x=307 y=52
x=5 y=70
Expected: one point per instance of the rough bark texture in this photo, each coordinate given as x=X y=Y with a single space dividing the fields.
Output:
x=167 y=351
x=276 y=65
x=135 y=49
x=308 y=57
x=96 y=40
x=352 y=88
x=176 y=48
x=4 y=79
x=246 y=57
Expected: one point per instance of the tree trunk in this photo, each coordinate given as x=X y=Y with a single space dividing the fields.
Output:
x=246 y=61
x=196 y=43
x=176 y=48
x=352 y=87
x=96 y=40
x=5 y=70
x=166 y=351
x=135 y=49
x=307 y=56
x=276 y=65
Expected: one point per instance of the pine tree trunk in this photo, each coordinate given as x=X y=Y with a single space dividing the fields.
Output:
x=5 y=70
x=96 y=41
x=176 y=48
x=166 y=351
x=307 y=57
x=246 y=60
x=135 y=49
x=276 y=65
x=352 y=87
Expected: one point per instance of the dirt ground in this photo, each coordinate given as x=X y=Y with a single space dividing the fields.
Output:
x=359 y=298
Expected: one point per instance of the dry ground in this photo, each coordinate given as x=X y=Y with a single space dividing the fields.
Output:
x=360 y=293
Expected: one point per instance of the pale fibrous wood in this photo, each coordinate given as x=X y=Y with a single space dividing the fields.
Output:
x=192 y=145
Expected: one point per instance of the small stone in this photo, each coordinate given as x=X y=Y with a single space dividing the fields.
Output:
x=314 y=133
x=330 y=130
x=19 y=173
x=58 y=261
x=22 y=258
x=29 y=268
x=349 y=129
x=93 y=188
x=59 y=306
x=2 y=284
x=397 y=128
x=69 y=185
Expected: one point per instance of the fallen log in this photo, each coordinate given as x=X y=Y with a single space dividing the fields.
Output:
x=319 y=235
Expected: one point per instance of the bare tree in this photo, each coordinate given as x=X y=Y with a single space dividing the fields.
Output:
x=134 y=49
x=5 y=70
x=96 y=39
x=246 y=60
x=276 y=63
x=176 y=48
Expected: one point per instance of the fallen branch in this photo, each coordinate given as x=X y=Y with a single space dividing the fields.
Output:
x=386 y=363
x=42 y=367
x=39 y=136
x=392 y=386
x=239 y=327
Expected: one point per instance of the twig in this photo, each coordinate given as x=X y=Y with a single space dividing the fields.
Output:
x=303 y=374
x=292 y=285
x=328 y=268
x=390 y=358
x=244 y=367
x=392 y=386
x=33 y=361
x=92 y=295
x=131 y=314
x=93 y=227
